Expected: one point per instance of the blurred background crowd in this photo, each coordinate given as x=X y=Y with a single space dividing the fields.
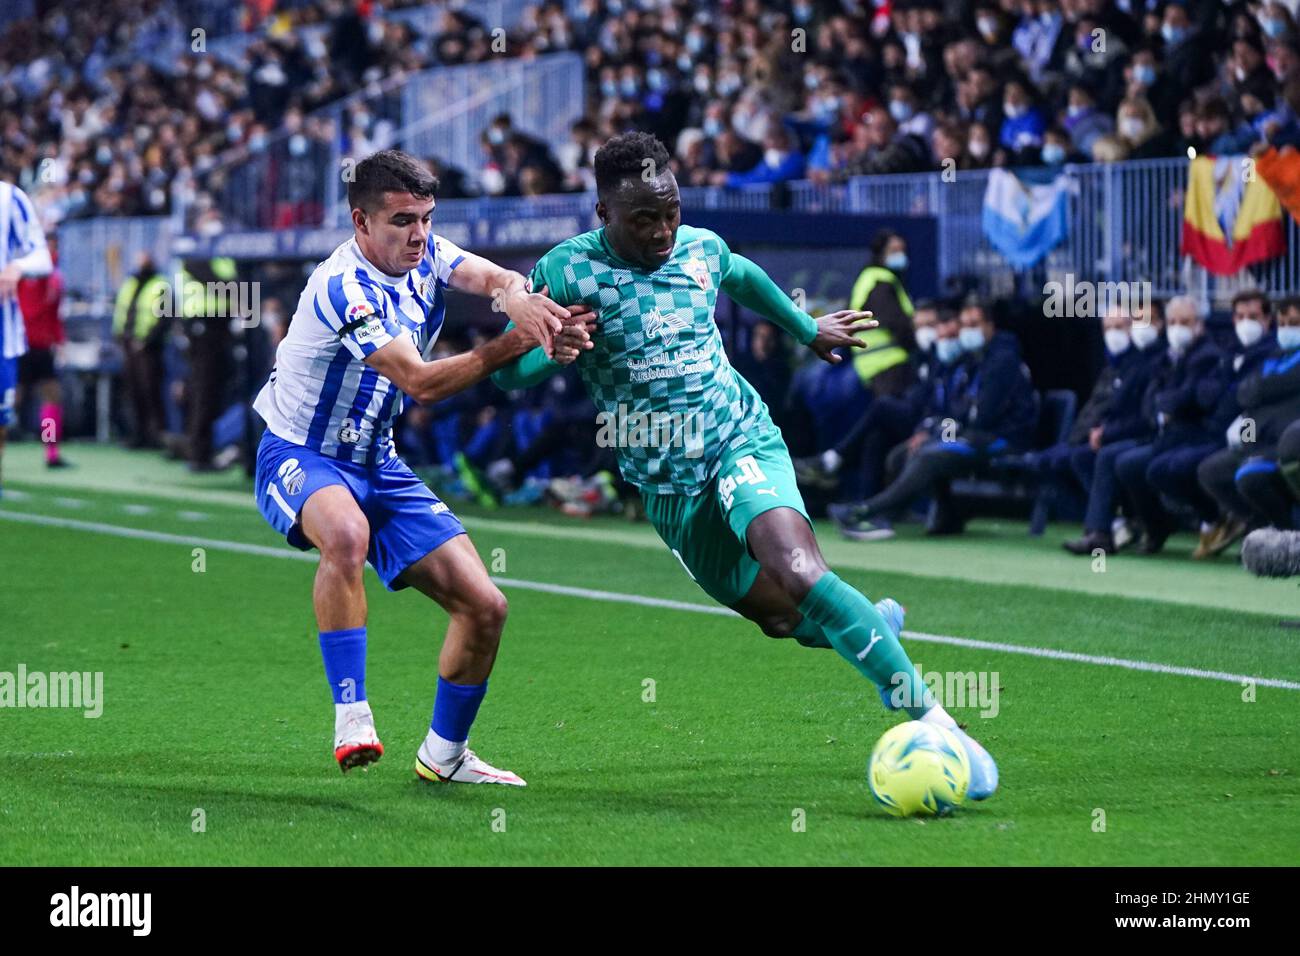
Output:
x=1190 y=423
x=93 y=126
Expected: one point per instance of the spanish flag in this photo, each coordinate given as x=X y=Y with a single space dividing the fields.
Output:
x=1231 y=220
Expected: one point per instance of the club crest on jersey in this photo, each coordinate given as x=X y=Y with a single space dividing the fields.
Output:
x=348 y=433
x=698 y=270
x=666 y=327
x=292 y=476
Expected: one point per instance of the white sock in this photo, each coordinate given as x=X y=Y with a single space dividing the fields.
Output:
x=939 y=717
x=345 y=712
x=831 y=460
x=441 y=750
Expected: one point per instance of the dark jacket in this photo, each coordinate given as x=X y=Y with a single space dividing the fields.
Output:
x=993 y=396
x=1126 y=419
x=1117 y=392
x=1184 y=390
x=1270 y=394
x=937 y=391
x=1233 y=368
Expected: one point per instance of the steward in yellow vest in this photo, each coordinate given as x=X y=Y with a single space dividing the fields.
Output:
x=883 y=367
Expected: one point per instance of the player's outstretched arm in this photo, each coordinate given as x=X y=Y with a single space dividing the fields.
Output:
x=429 y=382
x=534 y=311
x=535 y=367
x=749 y=285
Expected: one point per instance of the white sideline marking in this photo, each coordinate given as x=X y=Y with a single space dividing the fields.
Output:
x=134 y=509
x=616 y=597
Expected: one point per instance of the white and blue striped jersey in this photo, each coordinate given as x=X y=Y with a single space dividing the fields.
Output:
x=321 y=394
x=20 y=236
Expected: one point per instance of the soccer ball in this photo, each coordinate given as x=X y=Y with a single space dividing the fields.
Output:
x=918 y=768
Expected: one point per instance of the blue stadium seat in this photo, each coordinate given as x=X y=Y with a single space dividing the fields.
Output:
x=1011 y=478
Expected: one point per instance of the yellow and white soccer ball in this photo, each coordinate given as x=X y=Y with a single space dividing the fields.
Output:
x=918 y=768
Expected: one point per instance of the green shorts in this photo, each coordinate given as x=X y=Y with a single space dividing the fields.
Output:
x=706 y=531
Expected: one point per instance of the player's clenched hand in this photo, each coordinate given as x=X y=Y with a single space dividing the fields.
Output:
x=538 y=316
x=572 y=340
x=838 y=330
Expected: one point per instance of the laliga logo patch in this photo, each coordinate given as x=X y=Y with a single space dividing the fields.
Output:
x=348 y=433
x=291 y=476
x=360 y=311
x=697 y=270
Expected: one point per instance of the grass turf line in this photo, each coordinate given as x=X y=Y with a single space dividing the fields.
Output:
x=217 y=702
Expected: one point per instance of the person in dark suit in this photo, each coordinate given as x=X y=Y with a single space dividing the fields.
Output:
x=1246 y=478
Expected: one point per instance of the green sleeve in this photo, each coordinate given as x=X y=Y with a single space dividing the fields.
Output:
x=533 y=368
x=749 y=285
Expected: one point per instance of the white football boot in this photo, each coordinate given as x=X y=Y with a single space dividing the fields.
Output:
x=355 y=742
x=467 y=768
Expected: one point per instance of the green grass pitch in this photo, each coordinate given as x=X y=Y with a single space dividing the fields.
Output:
x=751 y=751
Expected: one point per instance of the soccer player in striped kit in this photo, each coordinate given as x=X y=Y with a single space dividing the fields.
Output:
x=327 y=473
x=23 y=252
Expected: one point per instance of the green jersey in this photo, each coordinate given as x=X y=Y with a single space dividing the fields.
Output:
x=667 y=398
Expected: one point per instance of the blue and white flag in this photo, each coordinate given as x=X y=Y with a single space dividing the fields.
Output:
x=1024 y=221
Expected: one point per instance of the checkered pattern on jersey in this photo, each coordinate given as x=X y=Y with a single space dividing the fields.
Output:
x=658 y=354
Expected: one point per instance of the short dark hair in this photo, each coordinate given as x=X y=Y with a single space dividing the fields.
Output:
x=1289 y=303
x=389 y=171
x=879 y=241
x=1253 y=295
x=624 y=156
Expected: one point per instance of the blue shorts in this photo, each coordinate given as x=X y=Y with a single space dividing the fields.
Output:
x=407 y=520
x=8 y=388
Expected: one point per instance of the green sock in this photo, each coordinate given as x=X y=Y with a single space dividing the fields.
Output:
x=810 y=634
x=861 y=636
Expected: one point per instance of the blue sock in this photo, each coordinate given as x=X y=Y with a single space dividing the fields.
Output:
x=345 y=663
x=454 y=709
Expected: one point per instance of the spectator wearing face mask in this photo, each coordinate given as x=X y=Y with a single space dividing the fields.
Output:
x=1174 y=474
x=1083 y=121
x=1134 y=349
x=979 y=146
x=1246 y=478
x=882 y=366
x=1145 y=76
x=1115 y=396
x=887 y=421
x=1137 y=126
x=991 y=409
x=1058 y=149
x=1022 y=123
x=907 y=113
x=781 y=161
x=1179 y=403
x=1188 y=62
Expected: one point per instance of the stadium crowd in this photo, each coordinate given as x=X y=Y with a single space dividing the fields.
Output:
x=1180 y=429
x=743 y=91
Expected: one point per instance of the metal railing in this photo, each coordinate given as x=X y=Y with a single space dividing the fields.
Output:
x=295 y=178
x=1126 y=223
x=96 y=255
x=1125 y=226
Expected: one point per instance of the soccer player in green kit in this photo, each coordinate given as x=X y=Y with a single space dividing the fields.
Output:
x=719 y=486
